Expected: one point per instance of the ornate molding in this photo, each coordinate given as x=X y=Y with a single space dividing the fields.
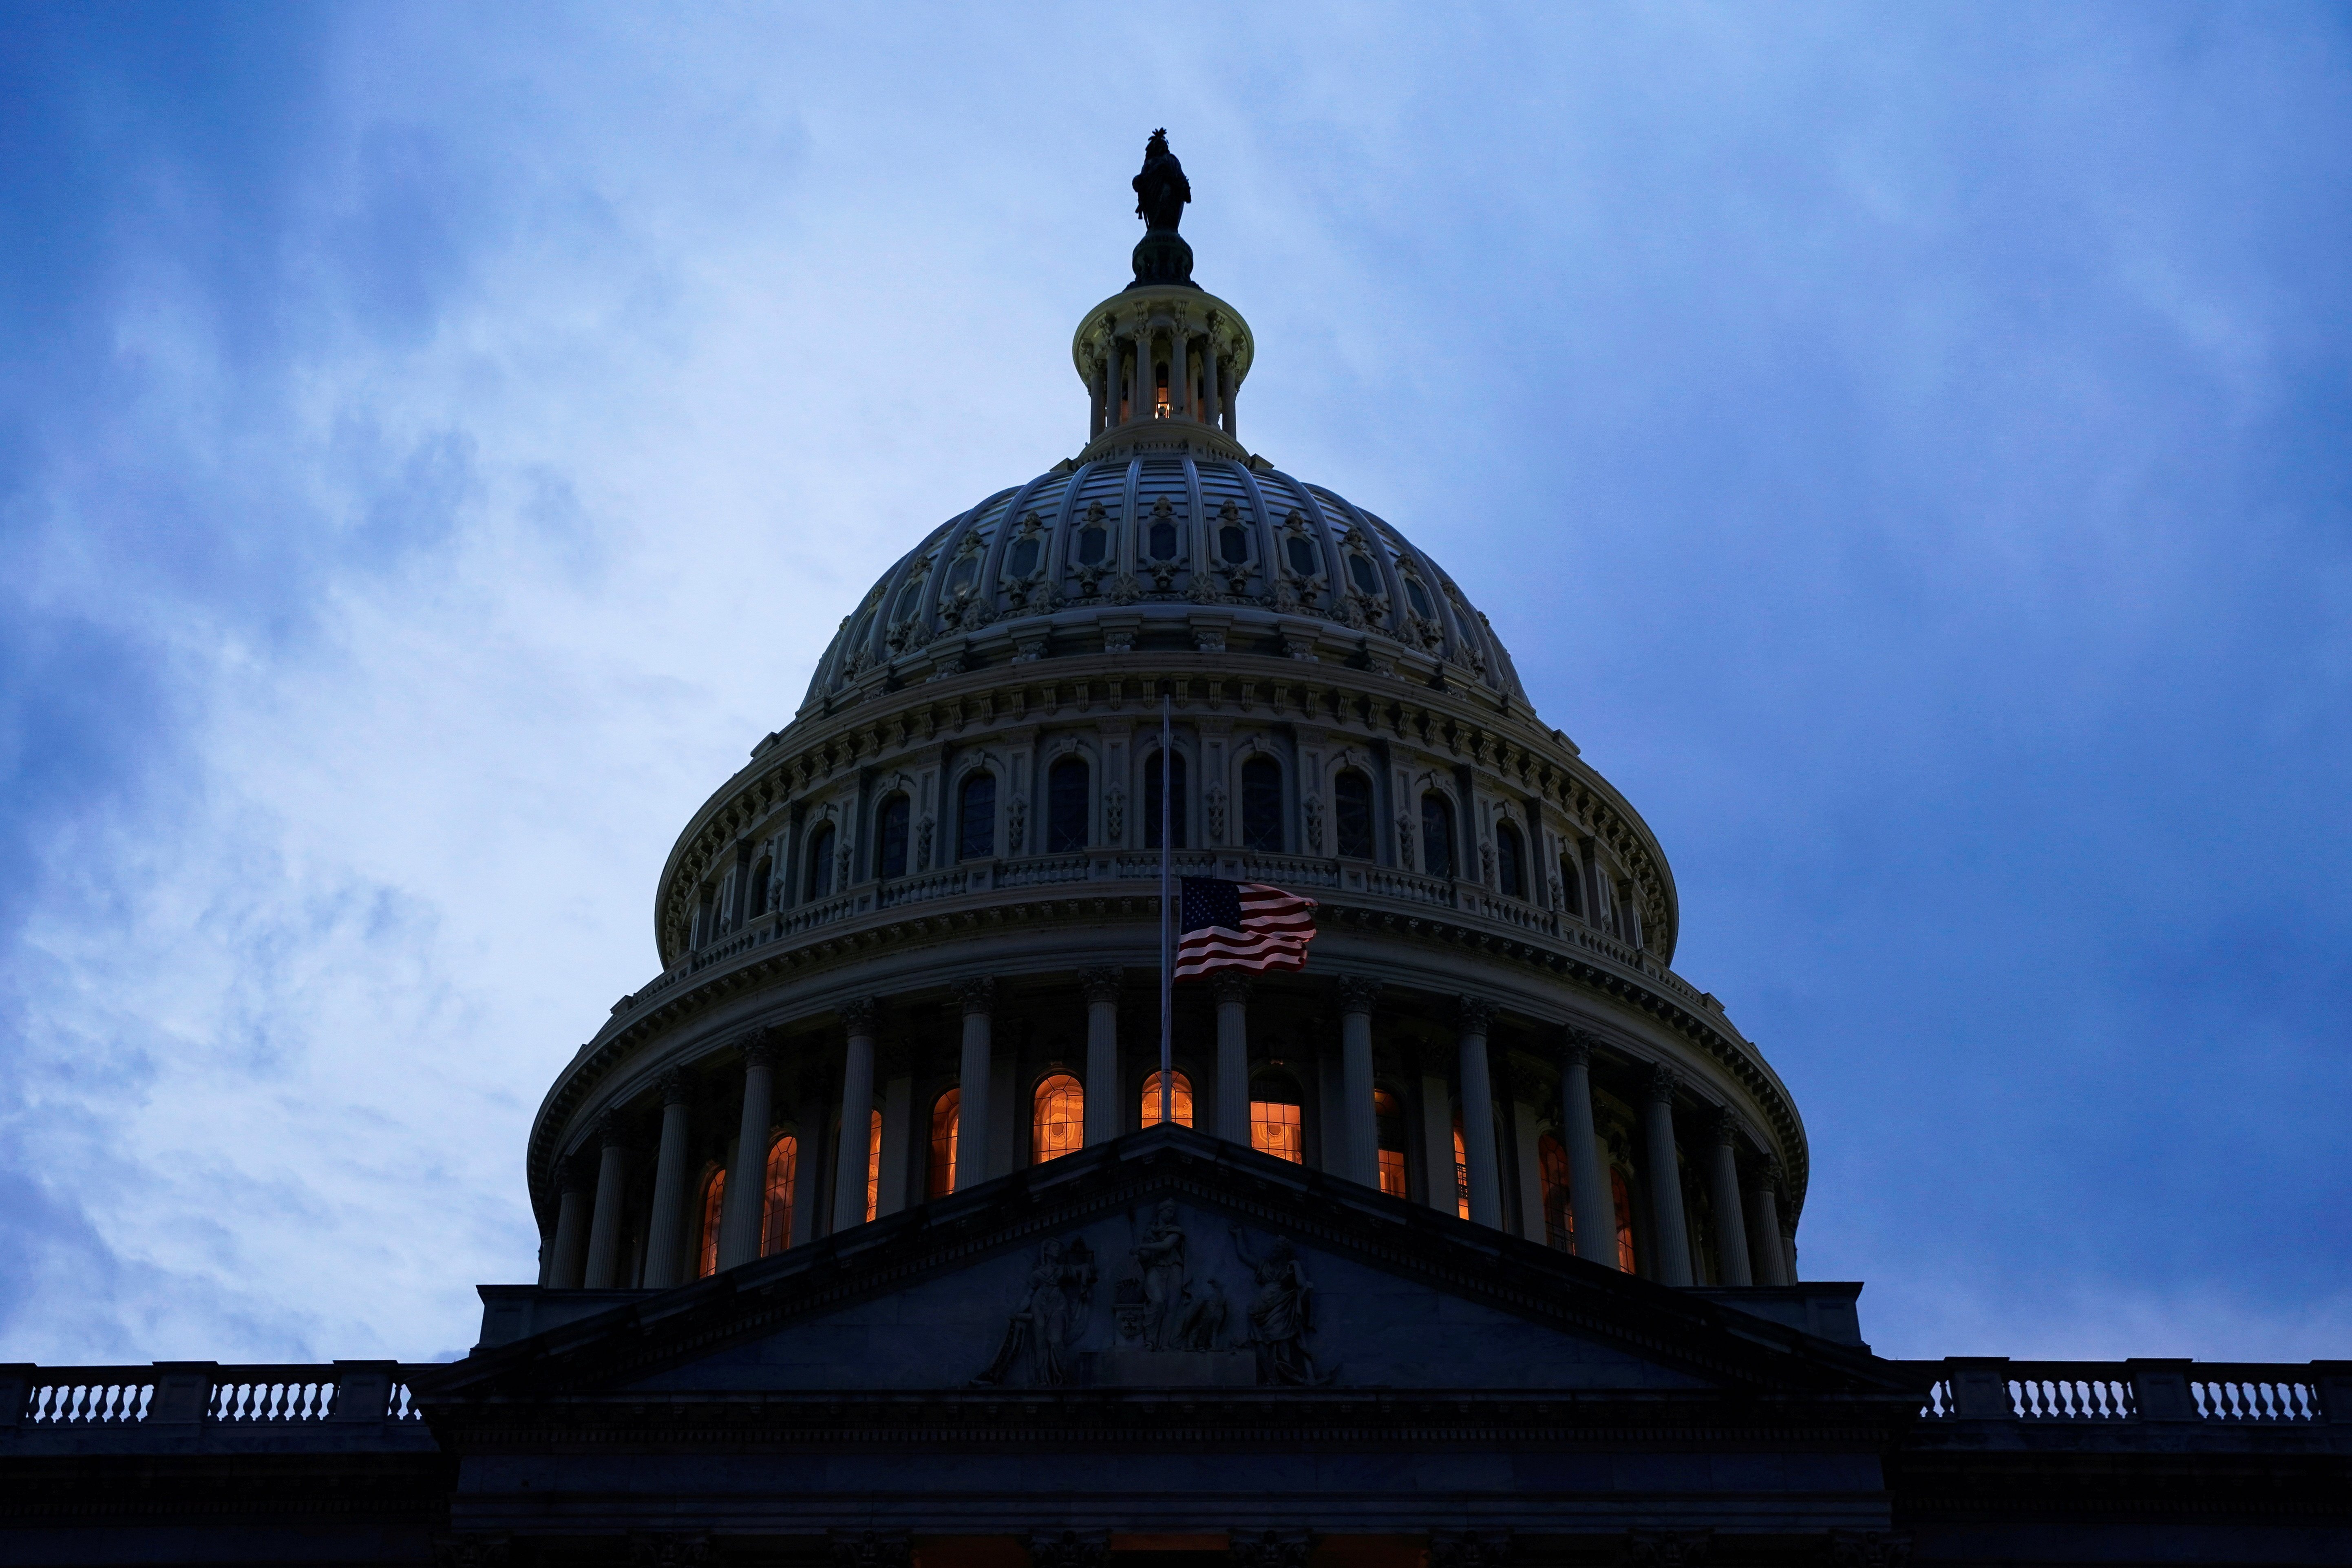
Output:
x=871 y=1549
x=1667 y=1548
x=1469 y=1549
x=1662 y=1083
x=1576 y=1047
x=1473 y=1015
x=1724 y=1127
x=1232 y=985
x=859 y=1016
x=1358 y=993
x=674 y=1088
x=1101 y=984
x=1068 y=1548
x=1271 y=1548
x=669 y=1548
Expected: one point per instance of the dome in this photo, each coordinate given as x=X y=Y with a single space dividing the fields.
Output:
x=1133 y=544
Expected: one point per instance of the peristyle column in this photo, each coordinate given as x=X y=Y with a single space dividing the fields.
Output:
x=1233 y=989
x=1592 y=1197
x=857 y=1152
x=1665 y=1177
x=1357 y=994
x=569 y=1266
x=742 y=1204
x=979 y=998
x=1722 y=1192
x=666 y=1246
x=1764 y=1255
x=1105 y=1102
x=1180 y=379
x=604 y=1230
x=1473 y=1016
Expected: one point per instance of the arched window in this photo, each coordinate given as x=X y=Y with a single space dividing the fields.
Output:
x=891 y=837
x=819 y=881
x=1461 y=1174
x=1060 y=1124
x=1436 y=835
x=1388 y=1120
x=1510 y=861
x=1559 y=1215
x=714 y=1197
x=1179 y=1099
x=1152 y=799
x=776 y=1211
x=1065 y=805
x=942 y=1179
x=1351 y=814
x=1273 y=1120
x=1571 y=885
x=1625 y=1222
x=873 y=1166
x=1262 y=805
x=702 y=918
x=758 y=903
x=976 y=818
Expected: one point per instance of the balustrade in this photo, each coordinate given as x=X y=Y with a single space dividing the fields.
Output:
x=2112 y=1391
x=246 y=1396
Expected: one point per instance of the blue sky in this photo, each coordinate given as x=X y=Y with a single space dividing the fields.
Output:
x=1904 y=446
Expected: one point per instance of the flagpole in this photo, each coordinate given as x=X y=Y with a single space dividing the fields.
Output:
x=1167 y=920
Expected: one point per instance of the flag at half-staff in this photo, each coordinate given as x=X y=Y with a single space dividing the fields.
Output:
x=1241 y=925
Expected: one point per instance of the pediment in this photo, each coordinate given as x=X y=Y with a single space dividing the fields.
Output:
x=1165 y=1259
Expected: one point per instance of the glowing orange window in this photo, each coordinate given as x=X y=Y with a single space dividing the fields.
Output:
x=1559 y=1216
x=1388 y=1118
x=873 y=1166
x=1274 y=1129
x=1179 y=1099
x=1625 y=1222
x=1061 y=1120
x=1461 y=1175
x=943 y=1143
x=714 y=1195
x=784 y=1166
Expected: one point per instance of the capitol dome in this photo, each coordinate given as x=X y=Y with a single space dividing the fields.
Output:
x=913 y=946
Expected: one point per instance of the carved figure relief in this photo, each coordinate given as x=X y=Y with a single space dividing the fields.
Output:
x=1036 y=1348
x=1161 y=1257
x=1281 y=1315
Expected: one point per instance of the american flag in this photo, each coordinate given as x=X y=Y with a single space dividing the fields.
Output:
x=1241 y=925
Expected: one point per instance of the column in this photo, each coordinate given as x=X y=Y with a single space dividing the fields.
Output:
x=1438 y=1140
x=1665 y=1177
x=979 y=998
x=1591 y=1195
x=1524 y=1131
x=1212 y=413
x=1180 y=379
x=1105 y=1103
x=742 y=1204
x=665 y=1249
x=1789 y=1247
x=857 y=1150
x=898 y=1140
x=1770 y=1261
x=1228 y=393
x=1232 y=1123
x=1472 y=1016
x=1723 y=1193
x=570 y=1264
x=1098 y=387
x=604 y=1228
x=1363 y=1154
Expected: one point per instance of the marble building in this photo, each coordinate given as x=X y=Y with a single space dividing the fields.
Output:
x=1475 y=1243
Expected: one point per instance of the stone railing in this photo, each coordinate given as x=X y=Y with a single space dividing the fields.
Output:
x=203 y=1394
x=2244 y=1393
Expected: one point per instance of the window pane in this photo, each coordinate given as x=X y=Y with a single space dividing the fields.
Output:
x=1061 y=1118
x=1302 y=555
x=820 y=863
x=1420 y=598
x=1066 y=807
x=1508 y=867
x=873 y=1166
x=1366 y=581
x=1152 y=799
x=1571 y=885
x=1436 y=836
x=1274 y=1130
x=1559 y=1216
x=1233 y=543
x=1262 y=805
x=977 y=839
x=1024 y=557
x=714 y=1194
x=776 y=1210
x=1461 y=1175
x=943 y=1143
x=1625 y=1222
x=1092 y=543
x=1163 y=541
x=1179 y=1099
x=891 y=841
x=1352 y=802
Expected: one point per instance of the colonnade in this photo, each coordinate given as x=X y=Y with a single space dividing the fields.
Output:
x=1751 y=1247
x=1126 y=382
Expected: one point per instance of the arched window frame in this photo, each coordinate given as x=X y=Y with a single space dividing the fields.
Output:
x=976 y=831
x=778 y=1184
x=1571 y=883
x=710 y=1208
x=894 y=836
x=1553 y=1180
x=762 y=874
x=1510 y=859
x=946 y=1127
x=1254 y=833
x=1148 y=796
x=816 y=861
x=1392 y=1138
x=1064 y=836
x=1058 y=1117
x=1440 y=827
x=1180 y=1099
x=1266 y=1137
x=1343 y=845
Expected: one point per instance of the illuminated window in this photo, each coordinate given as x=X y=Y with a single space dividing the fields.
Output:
x=1625 y=1222
x=873 y=1166
x=714 y=1194
x=1461 y=1174
x=1560 y=1217
x=1179 y=1099
x=1061 y=1120
x=1274 y=1122
x=1160 y=405
x=1388 y=1118
x=776 y=1211
x=943 y=1143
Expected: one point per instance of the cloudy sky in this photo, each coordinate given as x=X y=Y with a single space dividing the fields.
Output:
x=1906 y=448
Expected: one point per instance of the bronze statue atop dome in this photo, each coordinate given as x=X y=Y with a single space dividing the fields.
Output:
x=1161 y=189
